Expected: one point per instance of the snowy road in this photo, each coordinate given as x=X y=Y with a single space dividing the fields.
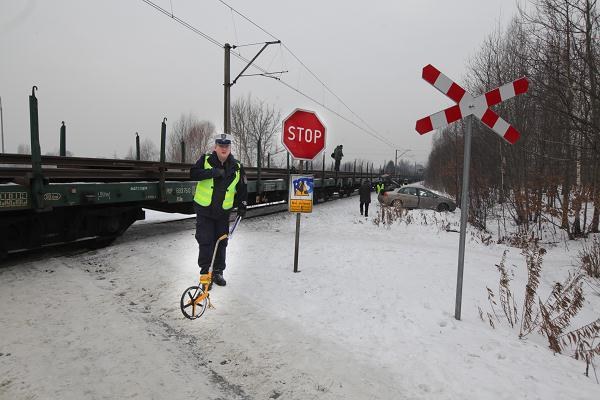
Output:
x=370 y=316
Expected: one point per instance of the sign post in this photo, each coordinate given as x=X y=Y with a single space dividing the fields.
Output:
x=467 y=106
x=303 y=136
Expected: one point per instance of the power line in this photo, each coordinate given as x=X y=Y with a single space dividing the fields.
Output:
x=247 y=19
x=306 y=67
x=182 y=22
x=242 y=58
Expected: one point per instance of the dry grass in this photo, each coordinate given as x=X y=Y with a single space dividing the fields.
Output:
x=589 y=257
x=551 y=318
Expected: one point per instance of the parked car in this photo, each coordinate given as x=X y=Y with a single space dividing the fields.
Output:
x=416 y=197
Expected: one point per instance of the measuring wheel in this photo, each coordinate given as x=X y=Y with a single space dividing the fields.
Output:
x=194 y=302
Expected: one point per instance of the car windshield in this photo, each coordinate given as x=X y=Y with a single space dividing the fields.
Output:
x=408 y=190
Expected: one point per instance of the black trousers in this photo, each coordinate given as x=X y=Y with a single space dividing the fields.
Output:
x=208 y=230
x=366 y=205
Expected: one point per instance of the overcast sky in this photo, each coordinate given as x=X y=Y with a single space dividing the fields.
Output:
x=110 y=68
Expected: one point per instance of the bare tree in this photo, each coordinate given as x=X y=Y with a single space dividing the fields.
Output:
x=555 y=166
x=24 y=149
x=148 y=151
x=195 y=134
x=130 y=155
x=56 y=153
x=254 y=122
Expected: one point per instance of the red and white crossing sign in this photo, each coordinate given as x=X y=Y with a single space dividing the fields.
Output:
x=466 y=104
x=303 y=134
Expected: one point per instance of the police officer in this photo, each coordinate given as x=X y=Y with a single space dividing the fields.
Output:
x=379 y=187
x=221 y=186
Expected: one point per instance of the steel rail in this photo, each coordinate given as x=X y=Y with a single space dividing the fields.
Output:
x=17 y=168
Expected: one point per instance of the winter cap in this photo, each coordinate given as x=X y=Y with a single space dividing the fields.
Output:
x=223 y=138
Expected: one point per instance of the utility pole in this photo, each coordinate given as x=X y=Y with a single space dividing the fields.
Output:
x=396 y=160
x=228 y=83
x=2 y=125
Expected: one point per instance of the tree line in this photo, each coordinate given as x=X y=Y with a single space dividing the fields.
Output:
x=254 y=124
x=550 y=177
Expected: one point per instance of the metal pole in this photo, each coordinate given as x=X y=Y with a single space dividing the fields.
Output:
x=258 y=172
x=227 y=86
x=183 y=152
x=464 y=212
x=37 y=180
x=323 y=192
x=137 y=146
x=163 y=141
x=297 y=245
x=63 y=140
x=228 y=83
x=2 y=124
x=288 y=178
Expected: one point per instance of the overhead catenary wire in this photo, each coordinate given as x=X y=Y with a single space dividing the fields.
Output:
x=184 y=23
x=304 y=65
x=242 y=58
x=234 y=27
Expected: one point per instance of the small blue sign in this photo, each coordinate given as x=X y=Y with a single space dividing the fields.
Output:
x=303 y=186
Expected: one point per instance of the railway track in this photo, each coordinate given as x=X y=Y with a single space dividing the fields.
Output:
x=138 y=231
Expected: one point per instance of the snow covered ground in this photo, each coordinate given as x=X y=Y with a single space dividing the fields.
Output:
x=370 y=315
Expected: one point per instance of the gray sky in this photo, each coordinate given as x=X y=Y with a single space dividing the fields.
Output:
x=110 y=68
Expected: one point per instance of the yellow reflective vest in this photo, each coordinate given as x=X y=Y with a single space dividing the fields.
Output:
x=204 y=188
x=379 y=187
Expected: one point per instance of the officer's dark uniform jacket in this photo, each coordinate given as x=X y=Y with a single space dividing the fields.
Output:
x=206 y=172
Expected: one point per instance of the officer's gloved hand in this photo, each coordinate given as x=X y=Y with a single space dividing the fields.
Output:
x=218 y=173
x=242 y=209
x=229 y=170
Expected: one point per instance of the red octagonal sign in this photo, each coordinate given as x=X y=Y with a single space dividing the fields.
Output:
x=303 y=134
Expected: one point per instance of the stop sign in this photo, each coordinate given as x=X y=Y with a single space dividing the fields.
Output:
x=303 y=134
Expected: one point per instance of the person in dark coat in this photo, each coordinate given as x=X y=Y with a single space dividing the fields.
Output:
x=337 y=155
x=365 y=197
x=222 y=185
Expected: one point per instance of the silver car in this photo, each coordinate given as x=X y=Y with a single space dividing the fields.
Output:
x=416 y=197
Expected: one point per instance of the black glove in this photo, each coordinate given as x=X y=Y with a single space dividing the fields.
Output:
x=241 y=211
x=231 y=169
x=217 y=172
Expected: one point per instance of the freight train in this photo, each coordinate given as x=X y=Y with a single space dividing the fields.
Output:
x=46 y=200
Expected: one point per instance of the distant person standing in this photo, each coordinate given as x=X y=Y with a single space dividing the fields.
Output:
x=221 y=186
x=337 y=156
x=365 y=197
x=379 y=187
